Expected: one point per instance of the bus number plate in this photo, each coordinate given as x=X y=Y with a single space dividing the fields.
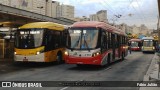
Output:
x=25 y=59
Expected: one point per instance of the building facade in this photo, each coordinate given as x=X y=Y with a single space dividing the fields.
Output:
x=66 y=11
x=45 y=7
x=99 y=16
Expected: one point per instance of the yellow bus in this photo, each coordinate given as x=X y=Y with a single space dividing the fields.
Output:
x=148 y=44
x=40 y=42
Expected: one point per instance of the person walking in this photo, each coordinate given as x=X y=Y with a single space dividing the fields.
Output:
x=129 y=47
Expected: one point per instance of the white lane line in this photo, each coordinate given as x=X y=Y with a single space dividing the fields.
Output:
x=108 y=68
x=64 y=88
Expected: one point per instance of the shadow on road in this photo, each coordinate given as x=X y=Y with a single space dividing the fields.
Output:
x=7 y=67
x=94 y=67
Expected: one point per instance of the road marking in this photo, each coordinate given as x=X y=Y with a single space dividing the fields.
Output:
x=64 y=88
x=107 y=68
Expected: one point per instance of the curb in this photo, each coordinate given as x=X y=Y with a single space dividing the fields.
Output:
x=153 y=70
x=152 y=73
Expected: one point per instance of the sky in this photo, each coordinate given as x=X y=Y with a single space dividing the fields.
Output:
x=133 y=12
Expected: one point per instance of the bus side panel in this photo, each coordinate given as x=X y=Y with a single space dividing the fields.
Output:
x=105 y=57
x=83 y=60
x=51 y=56
x=29 y=55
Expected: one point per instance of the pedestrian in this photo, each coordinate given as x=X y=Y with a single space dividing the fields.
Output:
x=129 y=47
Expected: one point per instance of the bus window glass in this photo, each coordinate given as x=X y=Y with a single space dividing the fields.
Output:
x=134 y=44
x=85 y=38
x=29 y=38
x=148 y=43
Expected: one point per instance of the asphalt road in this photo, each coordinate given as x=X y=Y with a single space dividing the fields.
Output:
x=133 y=68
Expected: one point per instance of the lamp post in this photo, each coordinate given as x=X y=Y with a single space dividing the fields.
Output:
x=115 y=19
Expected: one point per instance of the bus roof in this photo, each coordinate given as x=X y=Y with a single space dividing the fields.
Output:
x=138 y=40
x=147 y=38
x=96 y=24
x=48 y=25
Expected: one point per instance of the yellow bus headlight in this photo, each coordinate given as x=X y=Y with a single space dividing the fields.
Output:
x=153 y=47
x=15 y=53
x=38 y=53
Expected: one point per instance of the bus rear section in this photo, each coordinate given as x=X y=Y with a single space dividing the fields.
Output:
x=148 y=44
x=39 y=42
x=135 y=44
x=88 y=43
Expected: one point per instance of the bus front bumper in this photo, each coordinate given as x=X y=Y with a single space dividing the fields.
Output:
x=83 y=60
x=29 y=58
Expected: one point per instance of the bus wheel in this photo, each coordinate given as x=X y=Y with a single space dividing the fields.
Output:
x=59 y=58
x=122 y=56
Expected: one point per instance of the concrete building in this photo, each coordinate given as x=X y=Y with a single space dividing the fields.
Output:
x=83 y=18
x=66 y=11
x=99 y=16
x=52 y=9
x=144 y=30
x=39 y=6
x=93 y=17
x=55 y=9
x=5 y=2
x=15 y=3
x=135 y=29
x=124 y=27
x=102 y=16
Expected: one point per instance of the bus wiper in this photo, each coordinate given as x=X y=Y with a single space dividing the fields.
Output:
x=86 y=44
x=76 y=44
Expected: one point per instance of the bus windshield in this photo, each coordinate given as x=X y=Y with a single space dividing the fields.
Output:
x=148 y=43
x=28 y=38
x=134 y=44
x=82 y=38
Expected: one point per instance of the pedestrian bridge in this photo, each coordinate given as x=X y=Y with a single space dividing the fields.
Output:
x=20 y=16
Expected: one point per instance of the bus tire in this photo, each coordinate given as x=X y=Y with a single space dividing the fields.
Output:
x=122 y=57
x=59 y=58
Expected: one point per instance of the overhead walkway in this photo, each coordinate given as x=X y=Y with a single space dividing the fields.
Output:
x=16 y=15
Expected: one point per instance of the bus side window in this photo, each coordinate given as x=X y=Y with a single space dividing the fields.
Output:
x=109 y=40
x=104 y=41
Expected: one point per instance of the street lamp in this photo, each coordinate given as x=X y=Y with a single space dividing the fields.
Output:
x=116 y=17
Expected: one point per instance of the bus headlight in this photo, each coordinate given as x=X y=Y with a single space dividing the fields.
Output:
x=96 y=54
x=15 y=53
x=66 y=52
x=153 y=47
x=38 y=53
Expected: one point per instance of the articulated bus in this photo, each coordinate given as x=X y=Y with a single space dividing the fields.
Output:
x=135 y=44
x=94 y=43
x=148 y=44
x=40 y=42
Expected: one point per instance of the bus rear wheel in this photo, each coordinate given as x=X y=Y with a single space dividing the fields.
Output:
x=122 y=57
x=59 y=58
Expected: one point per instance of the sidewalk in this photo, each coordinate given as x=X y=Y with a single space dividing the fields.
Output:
x=153 y=73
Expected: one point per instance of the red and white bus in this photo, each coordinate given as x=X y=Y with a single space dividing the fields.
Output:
x=135 y=44
x=94 y=43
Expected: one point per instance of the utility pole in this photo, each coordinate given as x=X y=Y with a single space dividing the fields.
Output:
x=158 y=26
